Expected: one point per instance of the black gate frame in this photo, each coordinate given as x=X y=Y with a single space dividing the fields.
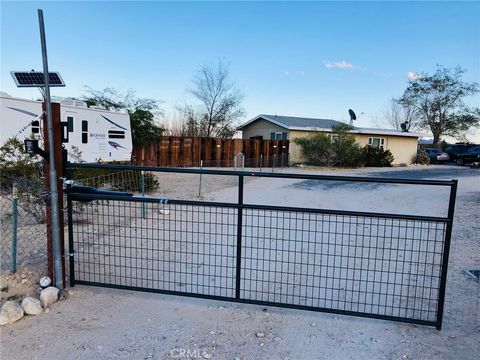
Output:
x=241 y=206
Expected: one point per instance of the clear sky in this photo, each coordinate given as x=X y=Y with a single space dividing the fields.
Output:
x=314 y=59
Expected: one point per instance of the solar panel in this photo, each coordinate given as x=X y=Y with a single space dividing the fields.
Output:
x=36 y=79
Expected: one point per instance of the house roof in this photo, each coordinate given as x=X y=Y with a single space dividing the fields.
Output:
x=295 y=123
x=312 y=124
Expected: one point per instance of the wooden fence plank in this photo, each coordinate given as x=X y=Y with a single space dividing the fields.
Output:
x=188 y=151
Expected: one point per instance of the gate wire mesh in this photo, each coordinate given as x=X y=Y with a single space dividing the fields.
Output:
x=384 y=266
x=370 y=265
x=177 y=248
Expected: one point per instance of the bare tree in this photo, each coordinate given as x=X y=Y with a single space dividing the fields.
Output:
x=219 y=106
x=397 y=114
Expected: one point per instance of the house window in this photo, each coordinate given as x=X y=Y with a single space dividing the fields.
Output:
x=333 y=137
x=84 y=131
x=278 y=136
x=378 y=143
x=70 y=123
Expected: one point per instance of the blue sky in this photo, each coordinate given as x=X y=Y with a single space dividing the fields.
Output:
x=314 y=59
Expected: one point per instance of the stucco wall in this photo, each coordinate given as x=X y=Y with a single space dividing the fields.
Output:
x=404 y=149
x=261 y=128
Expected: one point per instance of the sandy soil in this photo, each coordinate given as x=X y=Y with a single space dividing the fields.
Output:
x=98 y=323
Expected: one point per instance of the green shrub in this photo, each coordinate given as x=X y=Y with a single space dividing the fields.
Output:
x=316 y=149
x=376 y=157
x=422 y=158
x=338 y=149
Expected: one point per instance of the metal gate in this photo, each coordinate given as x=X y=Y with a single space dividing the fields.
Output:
x=378 y=265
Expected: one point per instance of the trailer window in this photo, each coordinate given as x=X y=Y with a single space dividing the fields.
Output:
x=84 y=131
x=70 y=123
x=116 y=134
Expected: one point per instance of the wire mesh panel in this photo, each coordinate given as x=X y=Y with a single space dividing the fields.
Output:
x=381 y=266
x=174 y=247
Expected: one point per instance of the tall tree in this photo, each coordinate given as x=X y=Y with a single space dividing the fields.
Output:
x=438 y=101
x=142 y=111
x=219 y=107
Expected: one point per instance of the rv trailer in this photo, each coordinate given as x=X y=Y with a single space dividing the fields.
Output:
x=95 y=134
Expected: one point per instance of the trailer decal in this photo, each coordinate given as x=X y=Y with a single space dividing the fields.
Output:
x=114 y=123
x=115 y=145
x=23 y=111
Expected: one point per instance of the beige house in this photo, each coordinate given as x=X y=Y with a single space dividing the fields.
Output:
x=402 y=145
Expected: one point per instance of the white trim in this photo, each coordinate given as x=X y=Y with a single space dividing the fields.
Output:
x=266 y=119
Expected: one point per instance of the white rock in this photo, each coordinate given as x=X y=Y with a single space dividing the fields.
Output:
x=11 y=312
x=260 y=334
x=49 y=296
x=31 y=306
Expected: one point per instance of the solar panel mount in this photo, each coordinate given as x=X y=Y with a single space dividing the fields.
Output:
x=36 y=79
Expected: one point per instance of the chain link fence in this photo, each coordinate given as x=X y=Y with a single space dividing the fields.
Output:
x=22 y=222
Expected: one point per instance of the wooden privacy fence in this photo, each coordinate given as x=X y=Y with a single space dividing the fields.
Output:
x=194 y=151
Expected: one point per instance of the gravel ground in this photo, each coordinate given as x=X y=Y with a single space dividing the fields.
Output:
x=97 y=323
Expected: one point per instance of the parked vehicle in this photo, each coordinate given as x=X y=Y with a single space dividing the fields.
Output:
x=470 y=156
x=455 y=149
x=436 y=155
x=95 y=134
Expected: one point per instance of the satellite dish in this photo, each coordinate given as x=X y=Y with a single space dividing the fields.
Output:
x=352 y=115
x=405 y=126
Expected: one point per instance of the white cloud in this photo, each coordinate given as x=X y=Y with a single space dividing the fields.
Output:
x=343 y=65
x=413 y=76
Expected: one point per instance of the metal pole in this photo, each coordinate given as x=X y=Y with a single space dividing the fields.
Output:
x=142 y=188
x=200 y=184
x=57 y=254
x=261 y=162
x=14 y=230
x=446 y=253
x=273 y=164
x=243 y=161
x=238 y=271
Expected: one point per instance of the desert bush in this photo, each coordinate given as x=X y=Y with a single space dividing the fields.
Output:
x=338 y=149
x=422 y=158
x=24 y=172
x=316 y=149
x=376 y=157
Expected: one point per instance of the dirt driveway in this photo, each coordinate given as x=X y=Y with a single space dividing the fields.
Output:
x=98 y=323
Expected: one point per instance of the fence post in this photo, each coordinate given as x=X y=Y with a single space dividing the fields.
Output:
x=283 y=156
x=239 y=237
x=200 y=183
x=14 y=230
x=142 y=189
x=261 y=162
x=273 y=164
x=71 y=249
x=446 y=252
x=234 y=162
x=243 y=161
